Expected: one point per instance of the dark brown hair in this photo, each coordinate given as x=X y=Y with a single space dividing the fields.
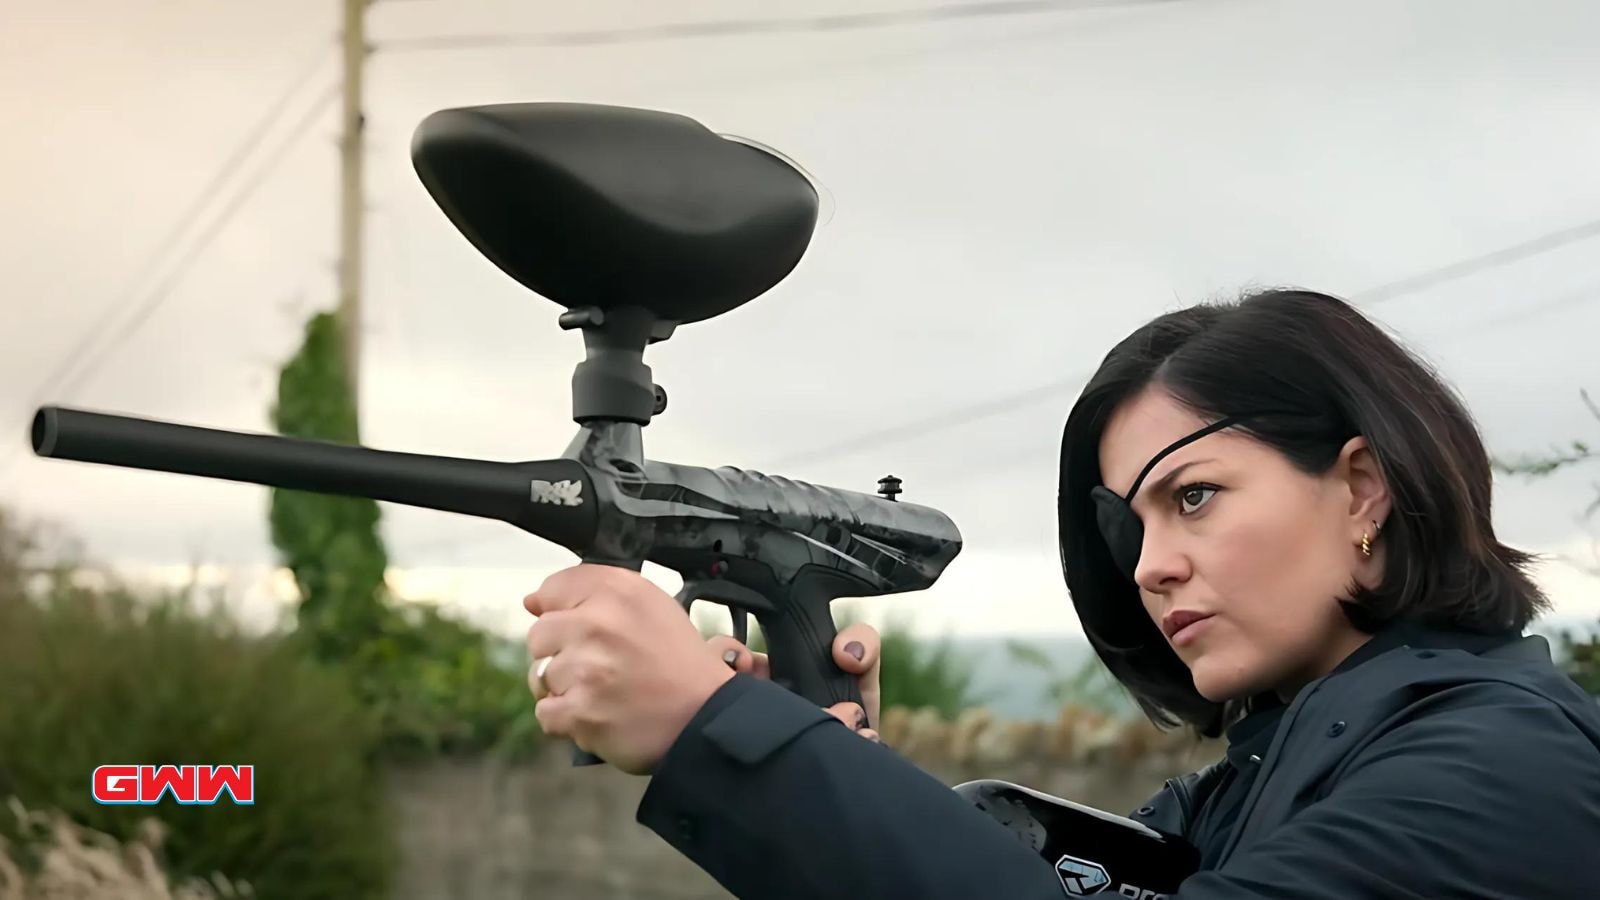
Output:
x=1310 y=372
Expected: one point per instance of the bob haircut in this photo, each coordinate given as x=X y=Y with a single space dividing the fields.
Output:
x=1311 y=373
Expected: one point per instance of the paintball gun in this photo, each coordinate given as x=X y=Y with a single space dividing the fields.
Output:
x=637 y=222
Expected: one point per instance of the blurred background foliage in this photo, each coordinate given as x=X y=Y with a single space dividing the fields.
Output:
x=1578 y=651
x=93 y=672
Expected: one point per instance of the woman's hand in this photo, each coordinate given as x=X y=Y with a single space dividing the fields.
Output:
x=856 y=650
x=626 y=668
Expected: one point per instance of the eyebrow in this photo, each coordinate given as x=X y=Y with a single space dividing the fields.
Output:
x=1160 y=484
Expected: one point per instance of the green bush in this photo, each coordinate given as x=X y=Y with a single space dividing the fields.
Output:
x=921 y=673
x=1089 y=685
x=330 y=542
x=107 y=676
x=441 y=686
x=436 y=685
x=1578 y=654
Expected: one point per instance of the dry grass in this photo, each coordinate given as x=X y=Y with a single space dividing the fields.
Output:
x=60 y=860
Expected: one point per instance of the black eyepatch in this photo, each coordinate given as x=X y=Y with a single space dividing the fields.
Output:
x=1119 y=525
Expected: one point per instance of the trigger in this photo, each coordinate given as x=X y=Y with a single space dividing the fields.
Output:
x=741 y=625
x=687 y=595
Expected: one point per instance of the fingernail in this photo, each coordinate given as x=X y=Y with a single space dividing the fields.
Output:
x=731 y=658
x=855 y=649
x=861 y=720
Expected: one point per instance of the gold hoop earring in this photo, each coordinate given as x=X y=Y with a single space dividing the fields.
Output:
x=1366 y=540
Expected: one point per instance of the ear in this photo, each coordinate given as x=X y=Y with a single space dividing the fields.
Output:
x=1369 y=491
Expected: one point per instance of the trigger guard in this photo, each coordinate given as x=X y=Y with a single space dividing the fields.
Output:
x=693 y=590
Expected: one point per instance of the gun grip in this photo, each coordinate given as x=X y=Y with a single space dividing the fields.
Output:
x=800 y=633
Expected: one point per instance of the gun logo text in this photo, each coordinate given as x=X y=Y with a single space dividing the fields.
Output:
x=561 y=493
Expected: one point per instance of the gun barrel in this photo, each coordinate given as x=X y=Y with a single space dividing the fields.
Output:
x=494 y=490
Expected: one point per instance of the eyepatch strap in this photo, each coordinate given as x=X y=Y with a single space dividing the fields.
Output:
x=1175 y=445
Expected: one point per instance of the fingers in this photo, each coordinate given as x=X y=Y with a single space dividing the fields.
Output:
x=553 y=631
x=856 y=648
x=538 y=677
x=557 y=716
x=745 y=660
x=555 y=593
x=571 y=586
x=552 y=676
x=855 y=719
x=851 y=714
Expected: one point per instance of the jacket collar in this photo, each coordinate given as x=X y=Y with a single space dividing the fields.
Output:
x=1415 y=634
x=1174 y=810
x=1244 y=736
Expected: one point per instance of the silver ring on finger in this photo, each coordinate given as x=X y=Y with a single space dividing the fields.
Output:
x=539 y=669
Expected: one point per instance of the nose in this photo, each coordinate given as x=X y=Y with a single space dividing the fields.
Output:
x=1163 y=563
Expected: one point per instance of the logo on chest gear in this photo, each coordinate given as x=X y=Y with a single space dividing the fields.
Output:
x=1080 y=877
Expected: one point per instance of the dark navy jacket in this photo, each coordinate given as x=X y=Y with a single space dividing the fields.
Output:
x=1432 y=769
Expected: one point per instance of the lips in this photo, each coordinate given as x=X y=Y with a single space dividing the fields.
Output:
x=1179 y=619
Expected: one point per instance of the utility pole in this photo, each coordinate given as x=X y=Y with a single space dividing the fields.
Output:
x=352 y=150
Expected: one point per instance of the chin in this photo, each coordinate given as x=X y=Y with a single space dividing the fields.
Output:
x=1218 y=681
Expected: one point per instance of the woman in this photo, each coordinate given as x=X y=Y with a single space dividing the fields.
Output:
x=1275 y=526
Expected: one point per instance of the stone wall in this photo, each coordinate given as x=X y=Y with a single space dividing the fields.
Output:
x=489 y=831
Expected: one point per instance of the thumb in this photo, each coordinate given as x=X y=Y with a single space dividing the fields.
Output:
x=857 y=650
x=739 y=657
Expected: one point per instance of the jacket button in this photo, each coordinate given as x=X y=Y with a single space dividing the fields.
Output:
x=686 y=829
x=1145 y=810
x=1336 y=729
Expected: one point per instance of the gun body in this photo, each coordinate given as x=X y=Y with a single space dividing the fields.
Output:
x=783 y=550
x=778 y=549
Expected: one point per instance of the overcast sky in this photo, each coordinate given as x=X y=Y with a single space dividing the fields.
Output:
x=1010 y=195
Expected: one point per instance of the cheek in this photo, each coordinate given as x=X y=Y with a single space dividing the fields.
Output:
x=1275 y=569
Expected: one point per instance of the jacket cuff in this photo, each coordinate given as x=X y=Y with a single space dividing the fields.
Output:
x=743 y=723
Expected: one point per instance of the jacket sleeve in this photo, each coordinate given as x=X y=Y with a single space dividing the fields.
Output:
x=1481 y=790
x=776 y=799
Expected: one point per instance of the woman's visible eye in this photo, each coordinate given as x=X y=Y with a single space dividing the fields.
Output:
x=1193 y=496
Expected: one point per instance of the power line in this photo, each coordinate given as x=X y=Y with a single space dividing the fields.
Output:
x=61 y=378
x=1368 y=298
x=758 y=27
x=1473 y=265
x=927 y=424
x=170 y=242
x=164 y=290
x=1580 y=297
